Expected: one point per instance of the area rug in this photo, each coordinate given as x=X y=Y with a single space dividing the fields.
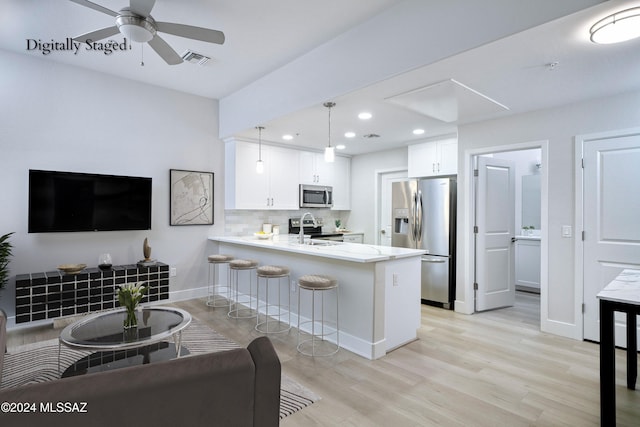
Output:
x=38 y=362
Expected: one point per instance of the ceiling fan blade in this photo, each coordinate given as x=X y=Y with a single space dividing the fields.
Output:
x=98 y=34
x=141 y=7
x=94 y=6
x=165 y=51
x=191 y=32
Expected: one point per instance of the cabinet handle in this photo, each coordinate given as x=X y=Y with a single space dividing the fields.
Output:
x=272 y=201
x=267 y=201
x=438 y=166
x=433 y=169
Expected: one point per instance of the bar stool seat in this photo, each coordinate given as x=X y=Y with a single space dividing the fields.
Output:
x=242 y=309
x=317 y=344
x=273 y=322
x=218 y=295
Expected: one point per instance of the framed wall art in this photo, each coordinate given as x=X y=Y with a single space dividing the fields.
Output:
x=191 y=197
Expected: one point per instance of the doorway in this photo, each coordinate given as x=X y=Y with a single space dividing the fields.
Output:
x=607 y=209
x=531 y=181
x=384 y=179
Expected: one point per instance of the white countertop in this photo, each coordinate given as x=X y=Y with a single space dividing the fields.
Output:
x=624 y=288
x=355 y=252
x=522 y=237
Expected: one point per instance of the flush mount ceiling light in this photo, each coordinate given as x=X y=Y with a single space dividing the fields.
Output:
x=329 y=153
x=259 y=163
x=341 y=147
x=418 y=131
x=349 y=134
x=364 y=115
x=287 y=137
x=618 y=27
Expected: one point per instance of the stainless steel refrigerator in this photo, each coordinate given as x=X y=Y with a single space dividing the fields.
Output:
x=424 y=217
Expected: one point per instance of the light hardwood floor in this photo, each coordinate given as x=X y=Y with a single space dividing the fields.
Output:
x=488 y=369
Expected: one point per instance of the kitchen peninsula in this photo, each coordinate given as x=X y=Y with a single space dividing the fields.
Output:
x=379 y=286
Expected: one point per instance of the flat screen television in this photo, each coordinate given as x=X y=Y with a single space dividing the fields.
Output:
x=69 y=201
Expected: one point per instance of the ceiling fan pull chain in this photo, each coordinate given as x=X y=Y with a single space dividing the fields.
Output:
x=141 y=54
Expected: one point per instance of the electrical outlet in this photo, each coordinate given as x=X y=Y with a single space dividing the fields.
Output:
x=566 y=231
x=173 y=272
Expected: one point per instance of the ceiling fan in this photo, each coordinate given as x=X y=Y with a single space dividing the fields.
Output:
x=136 y=23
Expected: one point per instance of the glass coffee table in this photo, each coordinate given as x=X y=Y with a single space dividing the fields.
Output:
x=104 y=333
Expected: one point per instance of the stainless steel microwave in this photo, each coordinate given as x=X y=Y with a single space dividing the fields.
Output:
x=316 y=196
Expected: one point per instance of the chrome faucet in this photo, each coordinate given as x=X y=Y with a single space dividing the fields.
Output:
x=315 y=224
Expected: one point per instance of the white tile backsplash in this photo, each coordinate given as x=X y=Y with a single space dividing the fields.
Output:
x=247 y=222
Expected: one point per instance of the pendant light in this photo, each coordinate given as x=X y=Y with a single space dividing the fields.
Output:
x=618 y=27
x=259 y=163
x=329 y=153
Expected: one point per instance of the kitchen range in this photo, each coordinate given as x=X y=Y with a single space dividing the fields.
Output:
x=313 y=229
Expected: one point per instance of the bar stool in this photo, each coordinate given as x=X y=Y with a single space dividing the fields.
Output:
x=318 y=283
x=235 y=310
x=218 y=295
x=273 y=324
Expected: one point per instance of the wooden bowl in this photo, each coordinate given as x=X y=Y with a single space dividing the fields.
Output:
x=71 y=268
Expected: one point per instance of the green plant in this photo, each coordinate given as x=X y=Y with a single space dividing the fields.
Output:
x=338 y=222
x=5 y=254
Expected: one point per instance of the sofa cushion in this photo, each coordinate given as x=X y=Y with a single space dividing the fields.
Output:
x=267 y=385
x=208 y=389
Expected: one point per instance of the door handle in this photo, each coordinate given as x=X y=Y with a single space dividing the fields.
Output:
x=513 y=240
x=434 y=261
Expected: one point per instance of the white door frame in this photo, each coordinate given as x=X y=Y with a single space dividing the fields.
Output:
x=579 y=218
x=467 y=221
x=378 y=195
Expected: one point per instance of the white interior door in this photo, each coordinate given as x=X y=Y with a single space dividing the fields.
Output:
x=495 y=222
x=611 y=216
x=384 y=225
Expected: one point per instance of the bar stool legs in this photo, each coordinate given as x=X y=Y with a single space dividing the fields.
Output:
x=318 y=344
x=273 y=313
x=218 y=295
x=242 y=309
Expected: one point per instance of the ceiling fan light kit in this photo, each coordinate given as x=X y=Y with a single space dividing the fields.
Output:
x=135 y=28
x=136 y=24
x=618 y=27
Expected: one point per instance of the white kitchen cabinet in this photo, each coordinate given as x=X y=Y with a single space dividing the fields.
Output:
x=527 y=258
x=315 y=170
x=353 y=237
x=433 y=158
x=247 y=189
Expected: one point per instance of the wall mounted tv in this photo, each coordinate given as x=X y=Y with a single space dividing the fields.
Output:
x=68 y=201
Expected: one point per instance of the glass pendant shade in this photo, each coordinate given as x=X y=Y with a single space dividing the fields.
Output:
x=329 y=154
x=260 y=166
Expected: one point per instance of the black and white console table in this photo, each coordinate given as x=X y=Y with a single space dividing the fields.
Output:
x=41 y=296
x=622 y=294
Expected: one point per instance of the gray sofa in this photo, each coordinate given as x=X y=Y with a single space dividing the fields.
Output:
x=231 y=388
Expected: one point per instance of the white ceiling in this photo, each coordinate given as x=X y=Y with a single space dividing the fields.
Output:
x=264 y=35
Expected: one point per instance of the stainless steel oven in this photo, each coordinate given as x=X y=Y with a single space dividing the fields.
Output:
x=316 y=196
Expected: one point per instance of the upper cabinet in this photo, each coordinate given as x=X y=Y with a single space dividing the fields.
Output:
x=284 y=169
x=315 y=170
x=433 y=158
x=272 y=189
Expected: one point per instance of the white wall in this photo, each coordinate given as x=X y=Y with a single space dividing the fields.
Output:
x=559 y=126
x=57 y=117
x=363 y=192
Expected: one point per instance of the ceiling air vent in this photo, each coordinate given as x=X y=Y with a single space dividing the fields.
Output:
x=195 y=58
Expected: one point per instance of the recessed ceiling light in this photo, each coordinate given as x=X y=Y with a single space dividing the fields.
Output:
x=364 y=116
x=341 y=146
x=287 y=137
x=418 y=131
x=349 y=134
